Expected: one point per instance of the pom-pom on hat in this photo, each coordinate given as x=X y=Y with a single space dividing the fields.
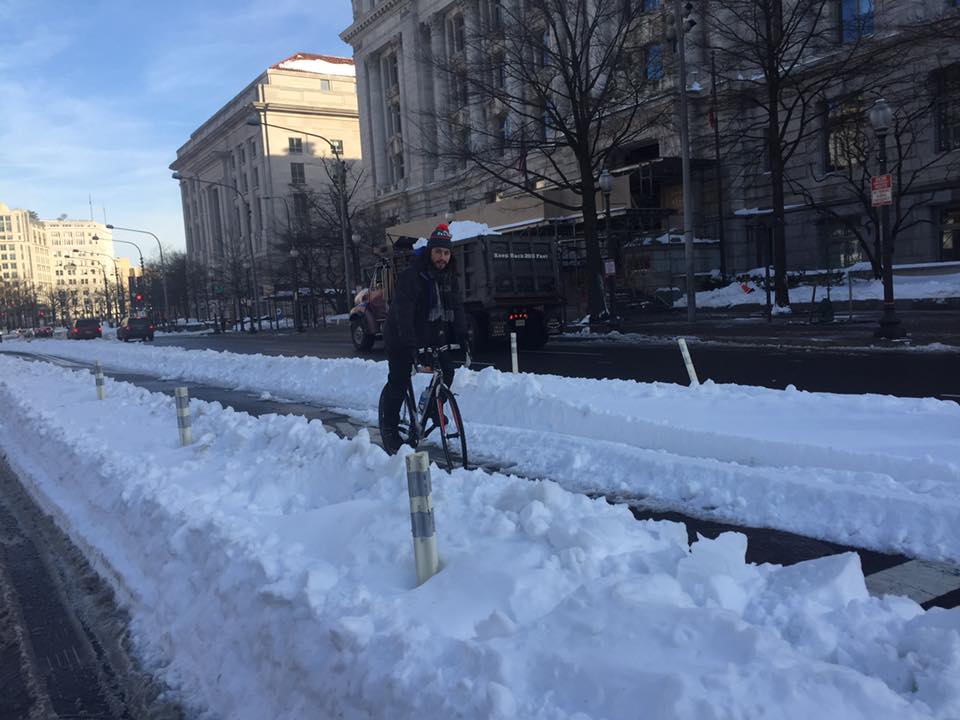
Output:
x=440 y=237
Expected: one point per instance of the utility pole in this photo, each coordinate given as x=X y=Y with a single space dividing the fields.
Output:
x=679 y=23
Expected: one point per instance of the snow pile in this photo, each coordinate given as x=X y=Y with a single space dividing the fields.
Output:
x=322 y=64
x=269 y=571
x=905 y=287
x=868 y=470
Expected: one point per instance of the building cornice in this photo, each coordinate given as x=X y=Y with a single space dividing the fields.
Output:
x=387 y=6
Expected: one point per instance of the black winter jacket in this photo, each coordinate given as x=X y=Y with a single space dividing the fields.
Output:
x=415 y=318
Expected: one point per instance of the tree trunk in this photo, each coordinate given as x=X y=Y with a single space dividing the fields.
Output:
x=594 y=274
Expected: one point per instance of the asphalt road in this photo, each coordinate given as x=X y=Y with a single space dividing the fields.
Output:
x=906 y=373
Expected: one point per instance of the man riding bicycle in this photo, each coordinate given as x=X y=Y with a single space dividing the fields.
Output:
x=426 y=311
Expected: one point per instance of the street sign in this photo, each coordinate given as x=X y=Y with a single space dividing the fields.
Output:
x=610 y=267
x=881 y=190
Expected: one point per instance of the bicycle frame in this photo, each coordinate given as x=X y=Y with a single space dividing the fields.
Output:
x=435 y=385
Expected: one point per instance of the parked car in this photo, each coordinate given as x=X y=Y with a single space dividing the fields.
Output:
x=45 y=331
x=85 y=329
x=133 y=328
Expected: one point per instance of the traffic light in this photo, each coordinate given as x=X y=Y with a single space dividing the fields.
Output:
x=138 y=297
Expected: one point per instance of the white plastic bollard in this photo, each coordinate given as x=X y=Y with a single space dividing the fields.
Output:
x=183 y=415
x=98 y=374
x=691 y=371
x=421 y=516
x=513 y=352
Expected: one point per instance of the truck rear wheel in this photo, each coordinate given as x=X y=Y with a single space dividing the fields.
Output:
x=362 y=340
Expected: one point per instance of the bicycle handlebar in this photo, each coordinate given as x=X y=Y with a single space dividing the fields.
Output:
x=439 y=348
x=443 y=348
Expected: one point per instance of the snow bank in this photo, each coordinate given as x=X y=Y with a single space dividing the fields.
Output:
x=874 y=471
x=269 y=571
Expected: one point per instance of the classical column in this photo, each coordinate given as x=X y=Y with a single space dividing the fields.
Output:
x=378 y=110
x=480 y=132
x=365 y=107
x=440 y=97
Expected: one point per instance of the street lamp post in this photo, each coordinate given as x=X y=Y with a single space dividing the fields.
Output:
x=106 y=288
x=679 y=23
x=297 y=314
x=120 y=306
x=606 y=187
x=140 y=253
x=349 y=277
x=163 y=268
x=253 y=259
x=881 y=117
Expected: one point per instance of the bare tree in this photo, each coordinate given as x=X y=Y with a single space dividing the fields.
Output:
x=920 y=162
x=536 y=95
x=783 y=64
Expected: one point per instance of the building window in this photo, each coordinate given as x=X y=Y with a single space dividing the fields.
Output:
x=845 y=143
x=950 y=234
x=653 y=62
x=397 y=170
x=256 y=177
x=243 y=182
x=393 y=119
x=301 y=208
x=948 y=108
x=298 y=175
x=650 y=5
x=456 y=33
x=391 y=71
x=253 y=149
x=493 y=15
x=459 y=89
x=243 y=154
x=324 y=86
x=502 y=134
x=856 y=19
x=296 y=146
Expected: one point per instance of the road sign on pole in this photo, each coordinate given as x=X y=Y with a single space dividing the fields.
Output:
x=881 y=190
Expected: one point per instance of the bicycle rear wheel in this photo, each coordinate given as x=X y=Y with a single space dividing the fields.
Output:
x=406 y=428
x=452 y=435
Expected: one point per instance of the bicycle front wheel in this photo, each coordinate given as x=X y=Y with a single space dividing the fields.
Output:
x=452 y=435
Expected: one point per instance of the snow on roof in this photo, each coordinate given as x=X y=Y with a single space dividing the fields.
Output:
x=322 y=64
x=463 y=230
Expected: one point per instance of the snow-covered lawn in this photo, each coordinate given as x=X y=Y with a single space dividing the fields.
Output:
x=269 y=566
x=905 y=287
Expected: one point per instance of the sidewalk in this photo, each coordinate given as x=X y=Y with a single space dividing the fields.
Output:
x=930 y=325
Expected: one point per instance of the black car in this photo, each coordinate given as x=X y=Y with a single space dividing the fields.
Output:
x=134 y=328
x=85 y=329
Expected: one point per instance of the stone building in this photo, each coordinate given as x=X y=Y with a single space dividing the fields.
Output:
x=250 y=170
x=59 y=268
x=404 y=101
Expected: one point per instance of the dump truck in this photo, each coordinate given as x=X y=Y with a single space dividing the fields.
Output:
x=509 y=284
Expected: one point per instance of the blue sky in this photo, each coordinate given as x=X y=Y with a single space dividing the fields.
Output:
x=96 y=96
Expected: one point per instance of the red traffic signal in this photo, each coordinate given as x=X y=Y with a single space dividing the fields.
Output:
x=138 y=297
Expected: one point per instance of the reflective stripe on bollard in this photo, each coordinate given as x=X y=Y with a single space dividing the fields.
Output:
x=421 y=516
x=513 y=352
x=183 y=416
x=98 y=374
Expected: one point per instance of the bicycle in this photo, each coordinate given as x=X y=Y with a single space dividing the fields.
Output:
x=436 y=396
